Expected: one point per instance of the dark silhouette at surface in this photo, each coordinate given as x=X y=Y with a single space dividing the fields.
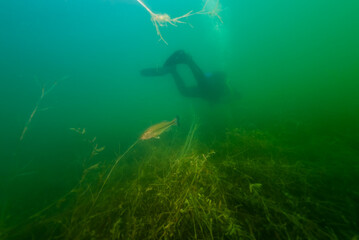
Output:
x=211 y=87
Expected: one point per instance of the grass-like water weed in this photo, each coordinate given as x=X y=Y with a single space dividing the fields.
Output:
x=244 y=187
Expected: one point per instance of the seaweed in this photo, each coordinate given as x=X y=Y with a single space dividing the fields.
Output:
x=242 y=187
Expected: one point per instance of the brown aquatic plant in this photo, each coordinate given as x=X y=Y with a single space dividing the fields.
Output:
x=44 y=91
x=161 y=20
x=245 y=188
x=214 y=12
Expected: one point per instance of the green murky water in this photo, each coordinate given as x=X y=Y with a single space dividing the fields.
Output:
x=279 y=162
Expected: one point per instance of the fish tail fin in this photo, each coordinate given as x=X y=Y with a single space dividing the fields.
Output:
x=177 y=121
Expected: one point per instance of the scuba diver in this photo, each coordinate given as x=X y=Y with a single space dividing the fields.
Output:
x=211 y=87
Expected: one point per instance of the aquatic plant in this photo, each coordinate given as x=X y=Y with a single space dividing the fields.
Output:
x=160 y=20
x=44 y=91
x=244 y=187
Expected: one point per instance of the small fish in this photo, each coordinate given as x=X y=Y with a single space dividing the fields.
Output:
x=156 y=130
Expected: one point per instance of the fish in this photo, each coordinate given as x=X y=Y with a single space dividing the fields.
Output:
x=156 y=130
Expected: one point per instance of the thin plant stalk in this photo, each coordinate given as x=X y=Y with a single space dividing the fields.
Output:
x=113 y=167
x=44 y=92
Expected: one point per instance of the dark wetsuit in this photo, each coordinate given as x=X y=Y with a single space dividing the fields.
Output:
x=212 y=87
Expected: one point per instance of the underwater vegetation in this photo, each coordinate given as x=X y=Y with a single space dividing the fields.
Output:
x=82 y=160
x=248 y=185
x=161 y=20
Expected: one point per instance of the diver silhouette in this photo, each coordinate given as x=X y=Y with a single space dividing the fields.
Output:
x=211 y=87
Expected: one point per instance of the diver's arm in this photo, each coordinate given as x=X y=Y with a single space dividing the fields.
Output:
x=182 y=88
x=197 y=72
x=181 y=57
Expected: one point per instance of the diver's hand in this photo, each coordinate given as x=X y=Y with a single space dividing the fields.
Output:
x=178 y=57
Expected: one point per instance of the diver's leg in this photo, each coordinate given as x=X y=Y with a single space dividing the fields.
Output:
x=197 y=72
